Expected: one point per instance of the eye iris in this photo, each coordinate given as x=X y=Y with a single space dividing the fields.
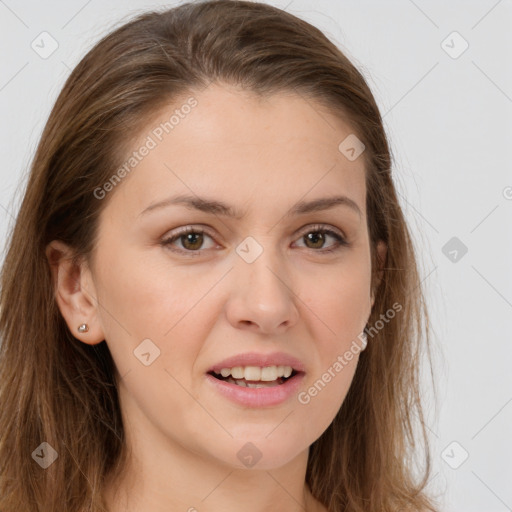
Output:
x=315 y=237
x=196 y=239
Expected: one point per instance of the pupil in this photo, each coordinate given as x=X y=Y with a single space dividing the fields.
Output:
x=315 y=238
x=189 y=238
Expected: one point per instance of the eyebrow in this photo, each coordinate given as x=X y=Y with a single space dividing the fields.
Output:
x=219 y=208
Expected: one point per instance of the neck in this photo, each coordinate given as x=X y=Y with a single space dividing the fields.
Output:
x=192 y=484
x=163 y=474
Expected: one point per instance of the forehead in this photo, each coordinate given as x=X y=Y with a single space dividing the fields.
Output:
x=234 y=141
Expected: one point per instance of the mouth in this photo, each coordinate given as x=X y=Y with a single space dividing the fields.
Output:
x=255 y=379
x=268 y=379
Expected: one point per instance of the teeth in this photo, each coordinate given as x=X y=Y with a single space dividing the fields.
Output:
x=271 y=373
x=237 y=372
x=255 y=373
x=252 y=384
x=252 y=373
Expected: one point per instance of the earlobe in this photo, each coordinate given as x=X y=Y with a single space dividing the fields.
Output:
x=74 y=293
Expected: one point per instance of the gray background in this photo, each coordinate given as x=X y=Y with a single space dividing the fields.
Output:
x=448 y=116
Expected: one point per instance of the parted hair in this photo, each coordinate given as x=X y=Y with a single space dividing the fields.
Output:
x=56 y=389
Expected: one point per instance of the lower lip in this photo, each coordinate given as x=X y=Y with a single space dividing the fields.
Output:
x=257 y=397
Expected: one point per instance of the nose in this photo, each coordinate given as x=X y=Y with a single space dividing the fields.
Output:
x=261 y=297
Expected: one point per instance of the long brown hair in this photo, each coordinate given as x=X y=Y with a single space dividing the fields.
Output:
x=58 y=390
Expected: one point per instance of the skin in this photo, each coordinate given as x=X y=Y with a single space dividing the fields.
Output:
x=261 y=156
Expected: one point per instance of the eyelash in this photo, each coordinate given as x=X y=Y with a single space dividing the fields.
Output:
x=340 y=240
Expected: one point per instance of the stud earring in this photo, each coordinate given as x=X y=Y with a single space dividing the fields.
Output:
x=83 y=328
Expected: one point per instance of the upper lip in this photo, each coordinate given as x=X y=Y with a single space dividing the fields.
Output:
x=262 y=360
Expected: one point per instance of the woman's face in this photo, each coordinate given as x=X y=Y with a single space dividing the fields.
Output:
x=272 y=278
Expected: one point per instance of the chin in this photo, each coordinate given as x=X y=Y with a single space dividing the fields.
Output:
x=254 y=453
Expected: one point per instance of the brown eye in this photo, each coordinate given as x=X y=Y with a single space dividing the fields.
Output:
x=316 y=238
x=192 y=241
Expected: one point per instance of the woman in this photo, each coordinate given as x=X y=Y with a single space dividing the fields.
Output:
x=210 y=299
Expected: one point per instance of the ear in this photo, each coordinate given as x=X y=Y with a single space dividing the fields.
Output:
x=74 y=292
x=382 y=250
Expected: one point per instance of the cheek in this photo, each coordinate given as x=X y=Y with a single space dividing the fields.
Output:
x=169 y=306
x=340 y=300
x=154 y=310
x=148 y=294
x=338 y=313
x=338 y=306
